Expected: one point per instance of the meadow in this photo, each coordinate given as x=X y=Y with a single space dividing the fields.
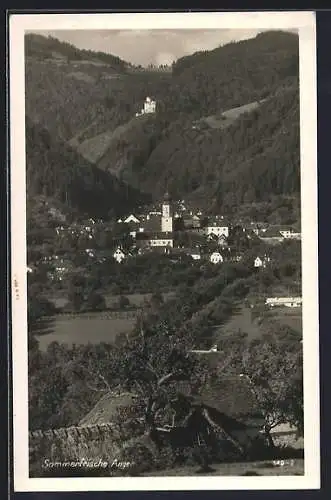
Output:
x=94 y=327
x=85 y=328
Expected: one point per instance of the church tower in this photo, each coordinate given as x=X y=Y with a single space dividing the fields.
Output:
x=166 y=220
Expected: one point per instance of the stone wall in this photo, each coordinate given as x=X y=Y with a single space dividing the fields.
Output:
x=94 y=442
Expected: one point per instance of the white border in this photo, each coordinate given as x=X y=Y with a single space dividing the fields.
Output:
x=305 y=23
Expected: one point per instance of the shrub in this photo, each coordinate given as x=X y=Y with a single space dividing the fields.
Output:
x=139 y=457
x=123 y=302
x=95 y=302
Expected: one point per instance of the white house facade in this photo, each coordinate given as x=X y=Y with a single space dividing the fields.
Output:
x=216 y=258
x=258 y=262
x=161 y=240
x=261 y=262
x=119 y=255
x=149 y=107
x=217 y=230
x=195 y=255
x=284 y=301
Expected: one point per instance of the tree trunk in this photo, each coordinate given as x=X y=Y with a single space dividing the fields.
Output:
x=270 y=440
x=149 y=415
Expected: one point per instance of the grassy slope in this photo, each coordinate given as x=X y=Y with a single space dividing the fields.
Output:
x=240 y=322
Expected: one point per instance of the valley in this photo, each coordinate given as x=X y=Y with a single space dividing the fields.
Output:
x=164 y=256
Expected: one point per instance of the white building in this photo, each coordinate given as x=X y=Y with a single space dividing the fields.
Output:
x=149 y=107
x=163 y=239
x=284 y=301
x=131 y=218
x=195 y=254
x=216 y=258
x=119 y=255
x=217 y=229
x=289 y=234
x=258 y=262
x=90 y=252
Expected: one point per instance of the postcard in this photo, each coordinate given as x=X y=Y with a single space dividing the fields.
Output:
x=164 y=258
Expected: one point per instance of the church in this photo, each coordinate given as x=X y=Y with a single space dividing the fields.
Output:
x=159 y=234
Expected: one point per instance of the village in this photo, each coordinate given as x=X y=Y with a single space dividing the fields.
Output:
x=167 y=228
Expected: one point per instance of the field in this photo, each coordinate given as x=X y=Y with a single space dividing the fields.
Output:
x=290 y=468
x=84 y=328
x=228 y=117
x=90 y=327
x=291 y=317
x=240 y=322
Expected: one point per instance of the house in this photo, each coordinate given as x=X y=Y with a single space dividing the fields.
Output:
x=286 y=434
x=195 y=254
x=134 y=232
x=119 y=255
x=261 y=262
x=224 y=409
x=271 y=236
x=131 y=218
x=284 y=301
x=258 y=262
x=216 y=227
x=161 y=239
x=290 y=234
x=90 y=252
x=149 y=107
x=222 y=241
x=255 y=227
x=216 y=258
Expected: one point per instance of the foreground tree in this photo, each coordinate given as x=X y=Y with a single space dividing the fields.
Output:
x=151 y=364
x=275 y=375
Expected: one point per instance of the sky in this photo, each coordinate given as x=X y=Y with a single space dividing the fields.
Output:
x=150 y=46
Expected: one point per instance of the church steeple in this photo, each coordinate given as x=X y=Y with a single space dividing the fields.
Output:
x=166 y=220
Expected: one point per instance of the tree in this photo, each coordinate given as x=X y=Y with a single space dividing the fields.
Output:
x=275 y=375
x=157 y=300
x=123 y=302
x=151 y=364
x=95 y=301
x=76 y=292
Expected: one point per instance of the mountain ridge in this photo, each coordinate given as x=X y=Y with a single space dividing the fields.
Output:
x=245 y=161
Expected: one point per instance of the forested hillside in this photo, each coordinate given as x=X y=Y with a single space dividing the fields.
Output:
x=42 y=48
x=57 y=171
x=188 y=146
x=249 y=161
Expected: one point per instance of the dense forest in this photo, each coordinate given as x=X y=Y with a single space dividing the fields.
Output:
x=189 y=146
x=57 y=171
x=41 y=47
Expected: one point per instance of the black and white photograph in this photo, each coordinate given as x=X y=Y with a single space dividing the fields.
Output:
x=164 y=251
